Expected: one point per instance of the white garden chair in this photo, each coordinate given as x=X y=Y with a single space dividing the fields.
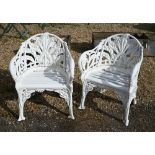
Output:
x=43 y=62
x=113 y=64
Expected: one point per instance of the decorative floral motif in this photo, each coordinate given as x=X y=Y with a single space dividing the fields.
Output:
x=64 y=93
x=42 y=50
x=26 y=94
x=48 y=52
x=89 y=87
x=120 y=50
x=120 y=56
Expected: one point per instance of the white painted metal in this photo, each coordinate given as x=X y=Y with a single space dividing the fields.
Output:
x=43 y=62
x=113 y=64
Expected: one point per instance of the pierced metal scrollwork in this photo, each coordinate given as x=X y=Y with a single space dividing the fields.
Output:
x=43 y=53
x=119 y=57
x=27 y=93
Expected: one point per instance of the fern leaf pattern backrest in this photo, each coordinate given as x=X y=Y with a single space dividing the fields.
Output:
x=41 y=50
x=122 y=50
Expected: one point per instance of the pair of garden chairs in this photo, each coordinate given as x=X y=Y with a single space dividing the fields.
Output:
x=44 y=62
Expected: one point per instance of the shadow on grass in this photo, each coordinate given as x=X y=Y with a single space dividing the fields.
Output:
x=93 y=105
x=146 y=26
x=89 y=100
x=77 y=93
x=40 y=100
x=81 y=47
x=7 y=91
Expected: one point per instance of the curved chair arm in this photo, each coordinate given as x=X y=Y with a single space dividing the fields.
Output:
x=88 y=60
x=135 y=73
x=12 y=68
x=138 y=63
x=18 y=64
x=70 y=65
x=94 y=58
x=91 y=59
x=70 y=70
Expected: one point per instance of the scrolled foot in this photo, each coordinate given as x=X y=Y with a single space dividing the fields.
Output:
x=71 y=117
x=81 y=107
x=126 y=122
x=21 y=118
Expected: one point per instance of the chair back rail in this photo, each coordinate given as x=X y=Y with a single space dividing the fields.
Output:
x=41 y=50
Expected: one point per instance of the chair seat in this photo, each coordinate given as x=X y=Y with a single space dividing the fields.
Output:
x=111 y=77
x=43 y=79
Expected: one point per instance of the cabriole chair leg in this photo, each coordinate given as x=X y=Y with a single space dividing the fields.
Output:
x=84 y=93
x=126 y=114
x=21 y=108
x=70 y=106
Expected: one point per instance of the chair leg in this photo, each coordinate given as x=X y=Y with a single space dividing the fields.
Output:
x=70 y=106
x=84 y=93
x=21 y=107
x=126 y=113
x=126 y=100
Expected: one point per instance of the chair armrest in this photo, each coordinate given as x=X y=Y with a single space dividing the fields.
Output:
x=18 y=64
x=87 y=60
x=70 y=65
x=134 y=76
x=135 y=72
x=12 y=68
x=71 y=69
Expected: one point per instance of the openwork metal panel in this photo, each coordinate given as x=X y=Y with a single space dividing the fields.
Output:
x=44 y=58
x=113 y=64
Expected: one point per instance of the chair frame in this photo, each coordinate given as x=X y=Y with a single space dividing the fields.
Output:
x=43 y=43
x=112 y=49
